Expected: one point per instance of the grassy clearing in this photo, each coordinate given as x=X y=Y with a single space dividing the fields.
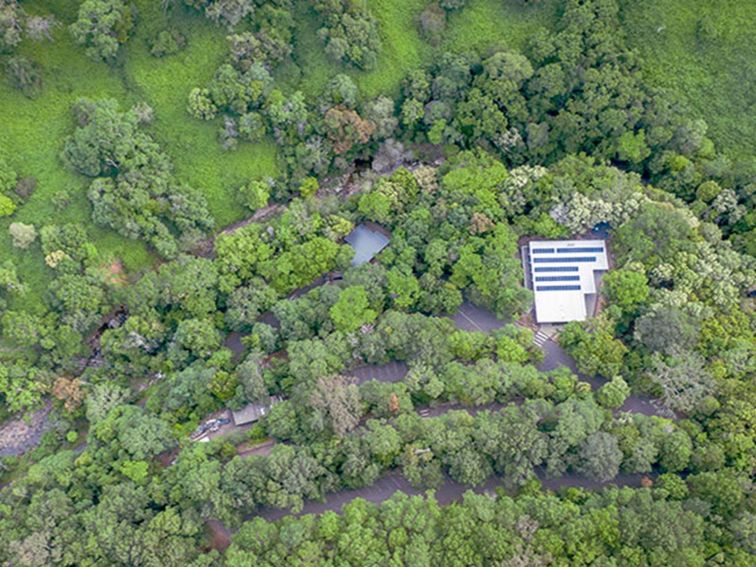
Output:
x=32 y=133
x=486 y=23
x=33 y=130
x=403 y=49
x=192 y=144
x=712 y=72
x=480 y=25
x=31 y=137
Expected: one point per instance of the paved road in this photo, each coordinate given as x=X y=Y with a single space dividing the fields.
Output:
x=435 y=411
x=472 y=318
x=394 y=371
x=555 y=356
x=450 y=491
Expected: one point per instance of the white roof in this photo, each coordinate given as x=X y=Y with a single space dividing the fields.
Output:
x=562 y=274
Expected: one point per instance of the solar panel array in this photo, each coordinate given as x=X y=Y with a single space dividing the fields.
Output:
x=556 y=269
x=564 y=259
x=566 y=267
x=557 y=278
x=578 y=250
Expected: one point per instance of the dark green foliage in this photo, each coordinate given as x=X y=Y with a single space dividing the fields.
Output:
x=350 y=32
x=25 y=75
x=102 y=27
x=498 y=145
x=134 y=190
x=167 y=42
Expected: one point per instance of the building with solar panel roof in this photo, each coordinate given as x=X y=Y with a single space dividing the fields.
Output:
x=564 y=276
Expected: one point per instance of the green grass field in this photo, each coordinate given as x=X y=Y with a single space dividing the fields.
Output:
x=713 y=73
x=482 y=24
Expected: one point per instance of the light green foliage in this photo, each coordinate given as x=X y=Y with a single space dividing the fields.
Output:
x=308 y=187
x=255 y=194
x=22 y=388
x=135 y=470
x=614 y=393
x=489 y=266
x=469 y=345
x=301 y=264
x=596 y=353
x=7 y=206
x=138 y=433
x=376 y=206
x=403 y=288
x=509 y=350
x=239 y=255
x=477 y=178
x=352 y=310
x=196 y=337
x=632 y=147
x=626 y=288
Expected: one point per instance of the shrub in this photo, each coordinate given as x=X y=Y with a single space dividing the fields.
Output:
x=23 y=235
x=167 y=42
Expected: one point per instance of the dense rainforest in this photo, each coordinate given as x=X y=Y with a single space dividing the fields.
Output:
x=177 y=180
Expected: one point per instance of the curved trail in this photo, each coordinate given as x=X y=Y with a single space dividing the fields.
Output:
x=449 y=491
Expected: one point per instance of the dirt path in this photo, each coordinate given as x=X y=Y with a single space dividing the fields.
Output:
x=18 y=435
x=343 y=186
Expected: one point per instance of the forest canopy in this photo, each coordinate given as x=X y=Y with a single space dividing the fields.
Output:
x=197 y=369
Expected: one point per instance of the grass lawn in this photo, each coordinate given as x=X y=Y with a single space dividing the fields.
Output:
x=480 y=25
x=31 y=140
x=712 y=73
x=192 y=144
